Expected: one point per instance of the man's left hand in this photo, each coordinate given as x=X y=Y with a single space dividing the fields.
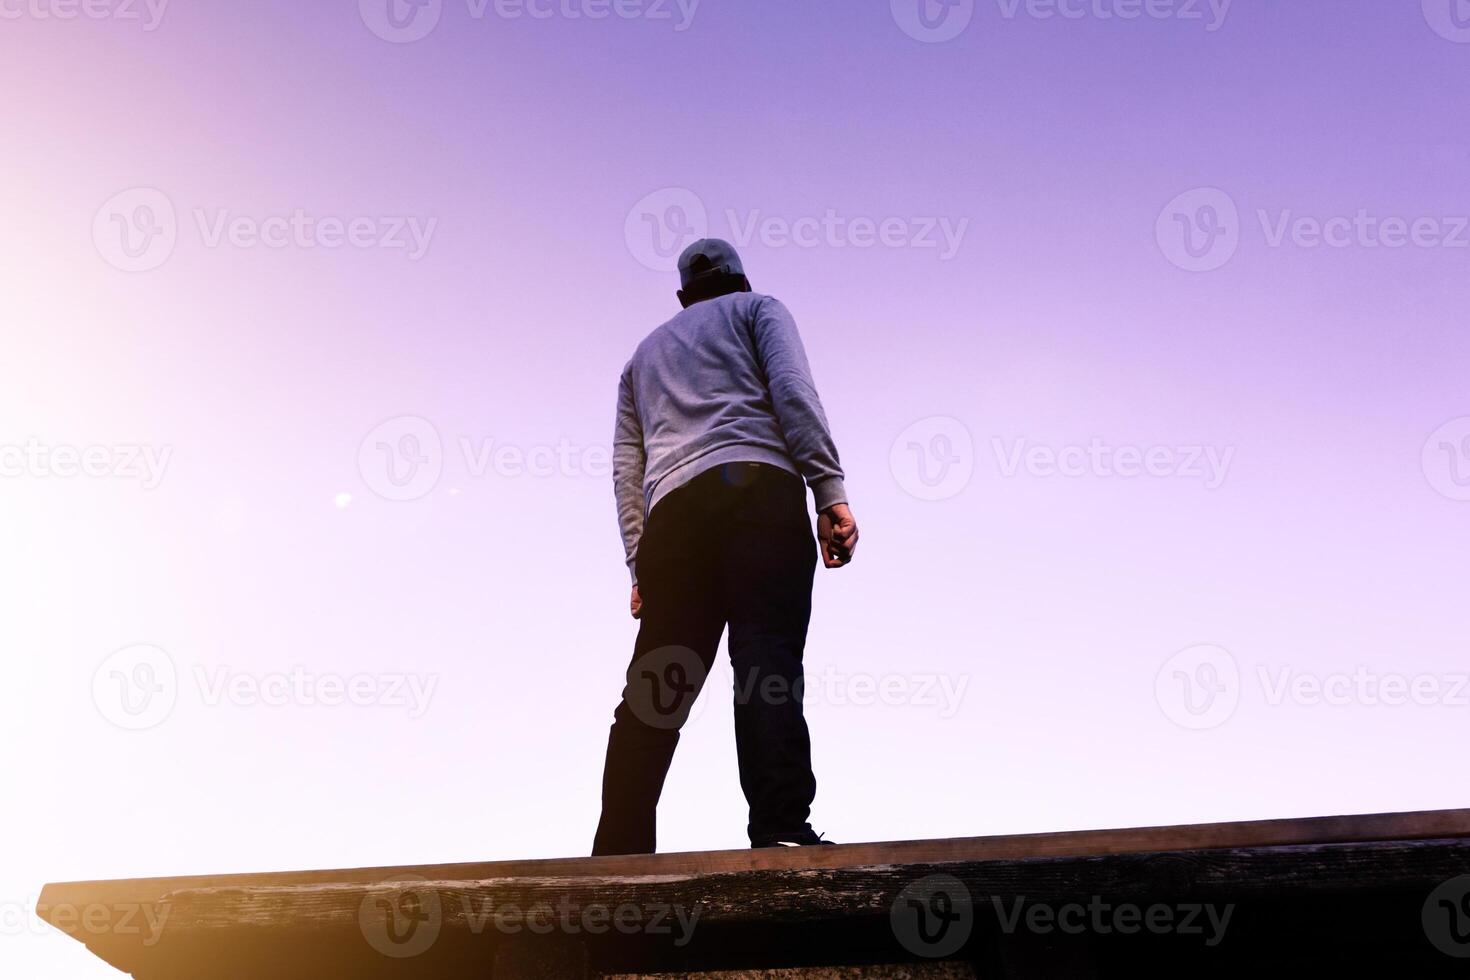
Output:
x=837 y=530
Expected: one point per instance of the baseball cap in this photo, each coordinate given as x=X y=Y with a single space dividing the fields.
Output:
x=706 y=258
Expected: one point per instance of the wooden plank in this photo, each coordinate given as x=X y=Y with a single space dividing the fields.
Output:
x=926 y=971
x=837 y=893
x=780 y=908
x=1441 y=824
x=1342 y=902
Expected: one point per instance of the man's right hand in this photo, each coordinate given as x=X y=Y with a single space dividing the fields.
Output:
x=635 y=604
x=837 y=531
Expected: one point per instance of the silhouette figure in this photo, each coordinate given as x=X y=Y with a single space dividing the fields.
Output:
x=718 y=425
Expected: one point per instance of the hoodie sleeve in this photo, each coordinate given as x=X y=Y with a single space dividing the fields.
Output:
x=794 y=397
x=629 y=461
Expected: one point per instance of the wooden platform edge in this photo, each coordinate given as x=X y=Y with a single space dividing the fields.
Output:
x=1345 y=829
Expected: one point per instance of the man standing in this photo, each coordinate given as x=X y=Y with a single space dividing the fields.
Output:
x=718 y=424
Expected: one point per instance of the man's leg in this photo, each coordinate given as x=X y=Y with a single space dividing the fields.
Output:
x=770 y=560
x=677 y=641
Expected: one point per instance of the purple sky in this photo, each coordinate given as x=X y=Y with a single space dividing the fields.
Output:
x=983 y=240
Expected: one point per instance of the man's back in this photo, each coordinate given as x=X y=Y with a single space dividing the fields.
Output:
x=726 y=380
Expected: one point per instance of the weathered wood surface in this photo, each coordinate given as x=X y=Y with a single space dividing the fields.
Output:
x=896 y=971
x=1325 y=885
x=1260 y=833
x=828 y=893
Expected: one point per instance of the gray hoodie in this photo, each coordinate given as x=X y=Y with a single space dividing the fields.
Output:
x=724 y=381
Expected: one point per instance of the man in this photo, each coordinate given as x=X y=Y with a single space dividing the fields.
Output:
x=718 y=424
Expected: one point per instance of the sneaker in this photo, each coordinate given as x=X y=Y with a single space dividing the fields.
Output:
x=802 y=838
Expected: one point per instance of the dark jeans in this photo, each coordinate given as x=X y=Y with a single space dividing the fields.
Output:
x=733 y=546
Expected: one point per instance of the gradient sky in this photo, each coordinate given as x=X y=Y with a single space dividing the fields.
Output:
x=1070 y=613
